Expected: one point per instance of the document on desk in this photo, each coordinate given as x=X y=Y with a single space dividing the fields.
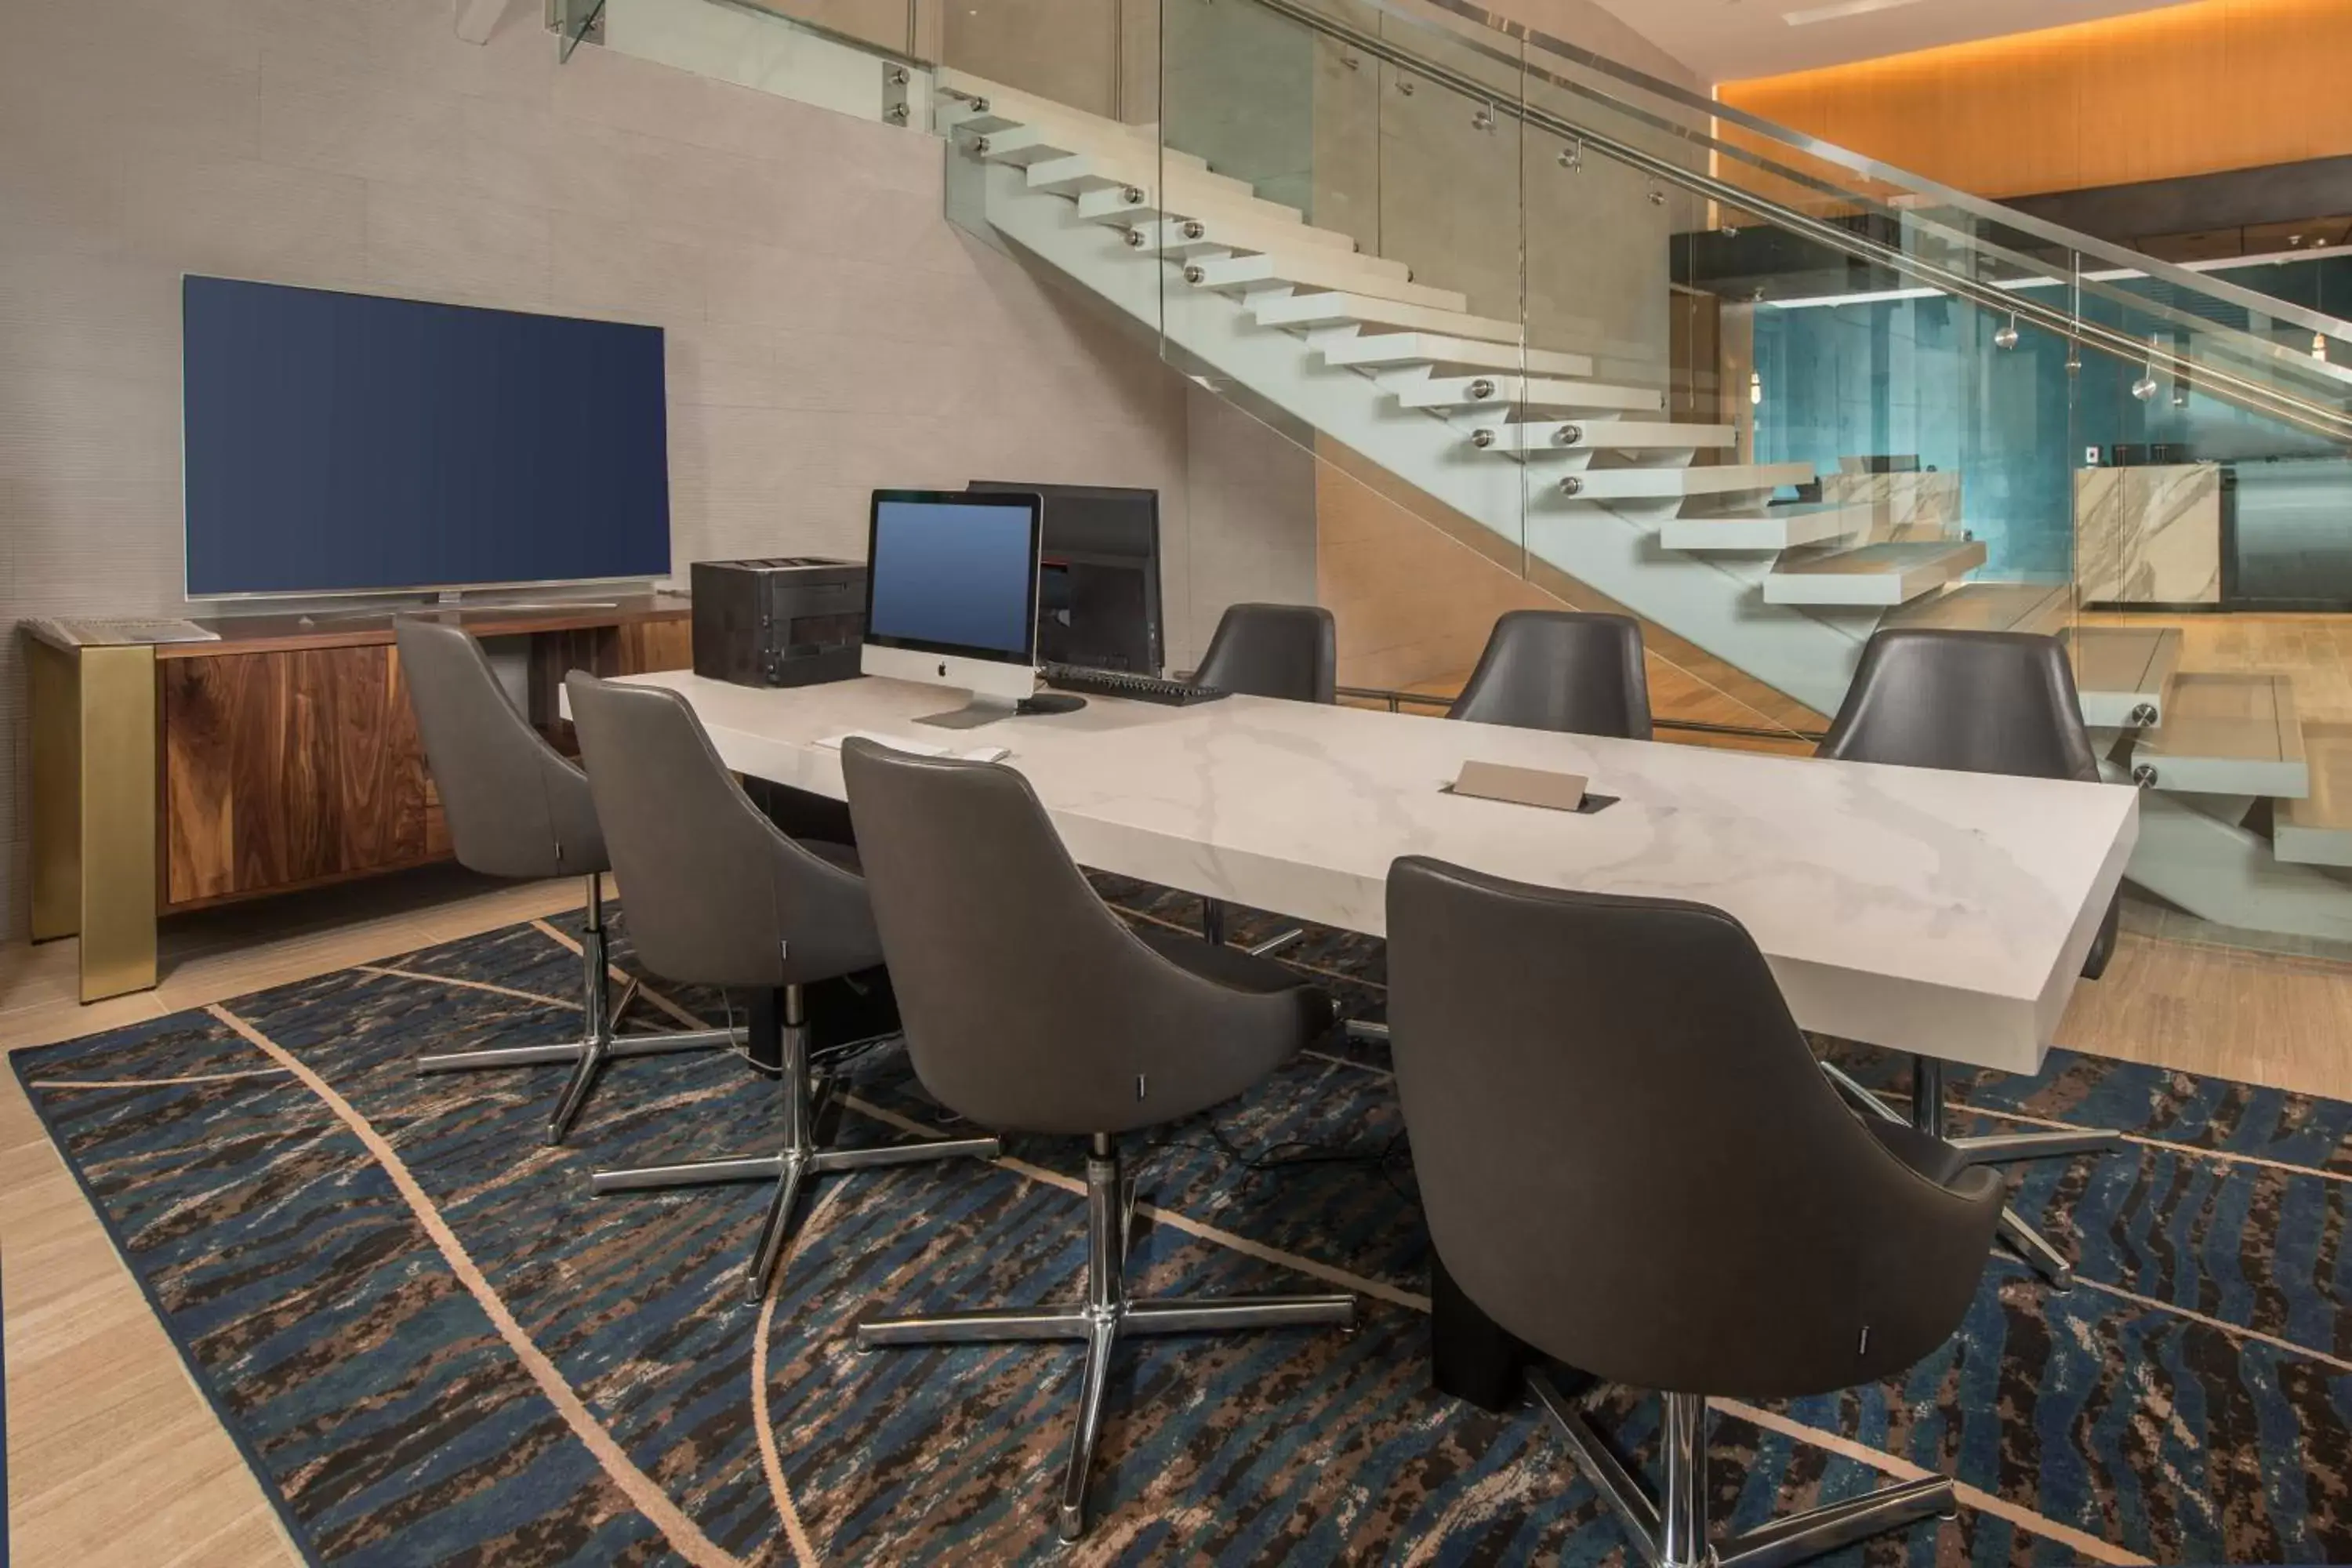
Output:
x=915 y=748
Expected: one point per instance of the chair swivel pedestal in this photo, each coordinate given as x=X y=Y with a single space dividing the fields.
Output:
x=1930 y=1114
x=518 y=808
x=1670 y=1529
x=1107 y=1315
x=800 y=1158
x=718 y=895
x=597 y=1044
x=1030 y=1007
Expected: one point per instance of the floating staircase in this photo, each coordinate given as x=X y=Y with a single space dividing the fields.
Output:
x=2205 y=746
x=1522 y=437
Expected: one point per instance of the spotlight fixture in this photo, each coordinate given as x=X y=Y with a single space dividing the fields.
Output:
x=1571 y=157
x=2006 y=338
x=2319 y=347
x=1755 y=389
x=2145 y=387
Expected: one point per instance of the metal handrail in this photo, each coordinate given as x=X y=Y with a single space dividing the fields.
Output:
x=2262 y=397
x=1869 y=168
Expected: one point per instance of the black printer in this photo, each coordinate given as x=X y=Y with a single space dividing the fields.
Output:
x=794 y=620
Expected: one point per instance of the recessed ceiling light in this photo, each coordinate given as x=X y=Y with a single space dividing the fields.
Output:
x=1806 y=18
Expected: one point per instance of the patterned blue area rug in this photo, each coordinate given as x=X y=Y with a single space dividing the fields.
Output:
x=438 y=1346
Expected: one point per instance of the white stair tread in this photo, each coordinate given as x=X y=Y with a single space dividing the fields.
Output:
x=1537 y=438
x=1177 y=196
x=1182 y=200
x=1530 y=392
x=1716 y=479
x=2124 y=674
x=1339 y=308
x=1872 y=574
x=1777 y=528
x=1049 y=164
x=1224 y=235
x=1388 y=349
x=2228 y=734
x=1372 y=276
x=2317 y=829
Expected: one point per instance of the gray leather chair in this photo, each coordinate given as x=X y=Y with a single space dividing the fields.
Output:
x=1560 y=669
x=1029 y=1007
x=1982 y=703
x=1648 y=1179
x=1290 y=652
x=717 y=896
x=516 y=807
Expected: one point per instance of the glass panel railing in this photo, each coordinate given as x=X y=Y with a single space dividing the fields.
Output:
x=862 y=57
x=1515 y=324
x=1393 y=261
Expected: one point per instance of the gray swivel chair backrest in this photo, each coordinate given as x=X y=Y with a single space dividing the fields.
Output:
x=1979 y=702
x=715 y=894
x=1982 y=703
x=1274 y=650
x=1630 y=1159
x=1028 y=1006
x=515 y=807
x=1560 y=669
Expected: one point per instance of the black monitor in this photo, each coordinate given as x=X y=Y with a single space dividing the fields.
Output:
x=1098 y=576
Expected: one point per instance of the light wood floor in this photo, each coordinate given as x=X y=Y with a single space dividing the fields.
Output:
x=115 y=1458
x=2314 y=651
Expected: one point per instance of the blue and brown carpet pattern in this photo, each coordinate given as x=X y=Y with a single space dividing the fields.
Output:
x=436 y=1345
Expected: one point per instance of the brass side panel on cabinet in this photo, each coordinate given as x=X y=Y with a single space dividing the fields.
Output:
x=118 y=821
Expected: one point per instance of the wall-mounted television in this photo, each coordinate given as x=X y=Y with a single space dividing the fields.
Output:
x=349 y=444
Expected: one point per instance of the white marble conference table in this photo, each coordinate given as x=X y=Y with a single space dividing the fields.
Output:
x=1937 y=912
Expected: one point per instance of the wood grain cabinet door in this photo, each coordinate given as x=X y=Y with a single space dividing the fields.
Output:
x=287 y=769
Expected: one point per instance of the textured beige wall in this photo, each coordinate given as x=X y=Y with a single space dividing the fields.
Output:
x=828 y=330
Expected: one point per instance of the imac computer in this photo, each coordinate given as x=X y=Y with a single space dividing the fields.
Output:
x=952 y=599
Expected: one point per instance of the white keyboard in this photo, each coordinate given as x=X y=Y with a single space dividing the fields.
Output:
x=918 y=748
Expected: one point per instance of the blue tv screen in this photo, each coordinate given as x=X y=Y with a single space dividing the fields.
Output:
x=340 y=443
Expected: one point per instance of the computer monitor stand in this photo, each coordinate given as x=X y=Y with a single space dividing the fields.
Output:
x=982 y=710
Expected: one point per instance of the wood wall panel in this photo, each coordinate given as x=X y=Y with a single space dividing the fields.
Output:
x=656 y=645
x=286 y=770
x=2188 y=89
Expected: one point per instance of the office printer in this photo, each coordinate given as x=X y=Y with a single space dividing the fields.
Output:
x=794 y=620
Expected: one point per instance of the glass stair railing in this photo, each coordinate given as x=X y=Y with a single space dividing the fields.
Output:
x=1641 y=351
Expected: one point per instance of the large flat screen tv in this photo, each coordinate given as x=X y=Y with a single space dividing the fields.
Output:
x=346 y=443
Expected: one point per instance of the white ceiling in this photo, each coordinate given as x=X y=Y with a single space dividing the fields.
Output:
x=1729 y=40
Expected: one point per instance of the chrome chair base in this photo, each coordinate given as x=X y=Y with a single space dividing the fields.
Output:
x=1106 y=1316
x=597 y=1044
x=1672 y=1532
x=1928 y=1115
x=800 y=1159
x=1213 y=931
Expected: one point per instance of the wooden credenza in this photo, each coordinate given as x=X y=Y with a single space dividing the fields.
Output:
x=283 y=756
